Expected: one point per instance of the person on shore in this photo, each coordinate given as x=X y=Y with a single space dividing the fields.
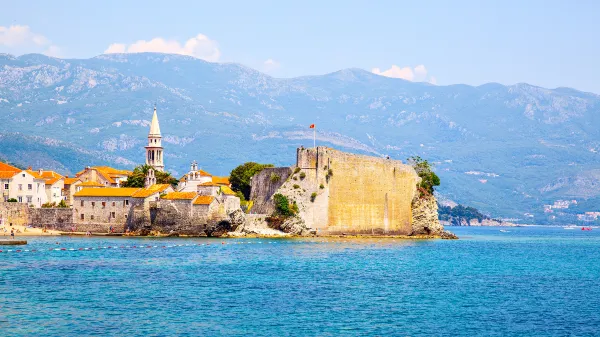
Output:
x=12 y=233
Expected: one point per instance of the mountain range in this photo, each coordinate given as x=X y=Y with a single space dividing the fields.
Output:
x=506 y=150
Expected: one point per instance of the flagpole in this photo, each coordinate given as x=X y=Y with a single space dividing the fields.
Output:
x=315 y=137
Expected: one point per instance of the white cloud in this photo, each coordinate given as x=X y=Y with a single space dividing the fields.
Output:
x=416 y=74
x=271 y=65
x=199 y=46
x=20 y=38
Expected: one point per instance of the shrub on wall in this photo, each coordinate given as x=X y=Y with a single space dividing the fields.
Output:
x=12 y=200
x=302 y=175
x=275 y=178
x=313 y=196
x=282 y=205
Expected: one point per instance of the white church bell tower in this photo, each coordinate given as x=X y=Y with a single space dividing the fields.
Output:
x=154 y=150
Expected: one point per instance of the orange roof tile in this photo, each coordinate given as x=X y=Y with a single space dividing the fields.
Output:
x=221 y=180
x=204 y=173
x=6 y=167
x=51 y=177
x=180 y=196
x=35 y=174
x=227 y=191
x=209 y=183
x=113 y=171
x=7 y=174
x=69 y=181
x=91 y=184
x=107 y=192
x=146 y=192
x=203 y=200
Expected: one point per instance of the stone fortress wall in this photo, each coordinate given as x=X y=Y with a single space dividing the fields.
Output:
x=355 y=194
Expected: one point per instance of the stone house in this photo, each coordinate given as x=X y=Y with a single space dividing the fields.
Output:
x=112 y=206
x=104 y=175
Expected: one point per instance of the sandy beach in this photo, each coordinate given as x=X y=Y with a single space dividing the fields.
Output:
x=25 y=231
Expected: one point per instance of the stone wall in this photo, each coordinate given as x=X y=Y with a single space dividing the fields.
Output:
x=101 y=217
x=263 y=188
x=14 y=213
x=52 y=218
x=338 y=192
x=20 y=214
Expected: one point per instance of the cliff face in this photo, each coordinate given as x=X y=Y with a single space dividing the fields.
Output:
x=425 y=216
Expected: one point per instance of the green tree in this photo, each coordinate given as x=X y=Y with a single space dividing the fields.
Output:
x=11 y=200
x=138 y=177
x=62 y=204
x=283 y=207
x=424 y=170
x=240 y=177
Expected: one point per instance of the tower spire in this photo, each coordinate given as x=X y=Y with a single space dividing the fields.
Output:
x=154 y=150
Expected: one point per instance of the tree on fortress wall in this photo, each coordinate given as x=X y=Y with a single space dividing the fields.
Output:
x=240 y=177
x=424 y=170
x=138 y=177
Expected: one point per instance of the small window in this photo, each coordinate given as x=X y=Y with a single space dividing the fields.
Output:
x=81 y=203
x=127 y=202
x=29 y=187
x=125 y=216
x=103 y=204
x=5 y=186
x=82 y=216
x=93 y=203
x=20 y=187
x=91 y=217
x=112 y=215
x=114 y=204
x=23 y=175
x=29 y=199
x=20 y=199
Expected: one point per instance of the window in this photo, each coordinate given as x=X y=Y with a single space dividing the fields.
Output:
x=112 y=215
x=20 y=187
x=114 y=204
x=5 y=186
x=125 y=216
x=29 y=199
x=20 y=199
x=91 y=217
x=81 y=203
x=93 y=203
x=126 y=202
x=82 y=216
x=29 y=187
x=103 y=204
x=23 y=175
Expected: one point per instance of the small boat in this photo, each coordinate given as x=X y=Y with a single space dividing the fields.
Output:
x=504 y=231
x=569 y=227
x=586 y=228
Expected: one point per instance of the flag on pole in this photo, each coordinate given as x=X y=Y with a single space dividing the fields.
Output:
x=312 y=126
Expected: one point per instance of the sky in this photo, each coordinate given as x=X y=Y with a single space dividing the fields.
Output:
x=546 y=43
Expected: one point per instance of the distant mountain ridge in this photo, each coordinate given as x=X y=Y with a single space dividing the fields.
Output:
x=506 y=150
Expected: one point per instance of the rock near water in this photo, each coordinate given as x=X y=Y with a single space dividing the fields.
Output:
x=425 y=216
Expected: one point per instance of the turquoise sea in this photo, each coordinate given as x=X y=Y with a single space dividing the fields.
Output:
x=530 y=281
